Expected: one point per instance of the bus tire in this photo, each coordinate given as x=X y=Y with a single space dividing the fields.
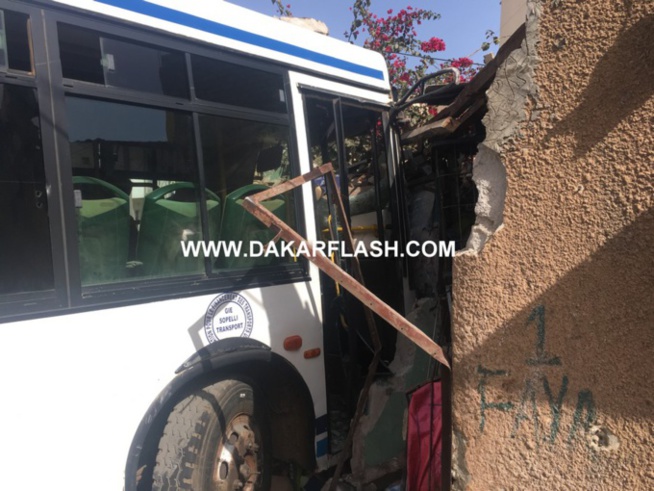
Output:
x=216 y=439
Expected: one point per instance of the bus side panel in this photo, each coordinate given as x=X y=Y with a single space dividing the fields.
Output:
x=78 y=385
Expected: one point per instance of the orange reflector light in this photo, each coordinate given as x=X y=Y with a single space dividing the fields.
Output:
x=292 y=343
x=312 y=353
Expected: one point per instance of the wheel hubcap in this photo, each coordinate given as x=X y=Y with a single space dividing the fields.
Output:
x=237 y=465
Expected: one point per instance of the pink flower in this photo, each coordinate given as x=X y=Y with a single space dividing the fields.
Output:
x=434 y=44
x=463 y=62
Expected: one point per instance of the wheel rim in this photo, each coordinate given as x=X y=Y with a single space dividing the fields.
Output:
x=238 y=456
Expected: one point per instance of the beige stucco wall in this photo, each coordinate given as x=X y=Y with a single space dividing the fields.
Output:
x=553 y=326
x=513 y=13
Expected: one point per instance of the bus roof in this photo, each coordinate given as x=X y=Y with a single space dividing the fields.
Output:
x=237 y=28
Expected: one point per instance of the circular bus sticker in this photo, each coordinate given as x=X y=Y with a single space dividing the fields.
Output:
x=229 y=315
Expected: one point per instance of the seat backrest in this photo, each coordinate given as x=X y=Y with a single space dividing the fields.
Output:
x=166 y=222
x=239 y=225
x=103 y=223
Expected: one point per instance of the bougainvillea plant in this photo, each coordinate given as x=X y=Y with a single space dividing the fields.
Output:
x=394 y=35
x=283 y=9
x=409 y=58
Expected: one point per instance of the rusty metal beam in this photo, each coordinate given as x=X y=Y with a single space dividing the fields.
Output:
x=253 y=205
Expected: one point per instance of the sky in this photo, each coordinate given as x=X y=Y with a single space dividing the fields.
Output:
x=462 y=25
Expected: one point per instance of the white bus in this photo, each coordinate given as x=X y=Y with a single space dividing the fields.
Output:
x=128 y=127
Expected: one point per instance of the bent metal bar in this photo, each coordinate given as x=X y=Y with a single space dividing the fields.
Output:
x=369 y=299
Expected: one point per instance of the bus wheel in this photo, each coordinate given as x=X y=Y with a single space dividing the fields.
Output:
x=215 y=440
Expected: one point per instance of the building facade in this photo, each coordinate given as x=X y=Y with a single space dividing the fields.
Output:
x=553 y=313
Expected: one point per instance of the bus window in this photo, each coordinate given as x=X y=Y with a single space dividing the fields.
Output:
x=351 y=138
x=90 y=56
x=242 y=158
x=237 y=85
x=25 y=255
x=365 y=159
x=136 y=193
x=322 y=132
x=15 y=52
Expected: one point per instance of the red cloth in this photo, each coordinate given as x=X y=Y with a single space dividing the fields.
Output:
x=424 y=439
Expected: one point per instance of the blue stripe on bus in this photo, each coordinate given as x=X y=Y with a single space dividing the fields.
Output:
x=188 y=20
x=321 y=447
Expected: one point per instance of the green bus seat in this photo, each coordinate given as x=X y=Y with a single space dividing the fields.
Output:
x=166 y=222
x=103 y=224
x=240 y=226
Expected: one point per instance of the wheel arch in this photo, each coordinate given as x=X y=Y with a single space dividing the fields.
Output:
x=289 y=402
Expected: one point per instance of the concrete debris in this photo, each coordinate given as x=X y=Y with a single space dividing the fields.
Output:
x=308 y=23
x=380 y=441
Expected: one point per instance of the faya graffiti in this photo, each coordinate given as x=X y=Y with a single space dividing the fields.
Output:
x=526 y=410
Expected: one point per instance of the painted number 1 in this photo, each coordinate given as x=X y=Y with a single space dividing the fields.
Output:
x=537 y=316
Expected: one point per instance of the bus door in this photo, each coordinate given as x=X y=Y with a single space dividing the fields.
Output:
x=351 y=136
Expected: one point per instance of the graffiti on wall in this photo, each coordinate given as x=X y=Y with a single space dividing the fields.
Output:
x=525 y=409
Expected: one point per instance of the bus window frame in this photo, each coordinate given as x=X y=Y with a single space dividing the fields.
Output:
x=68 y=295
x=28 y=303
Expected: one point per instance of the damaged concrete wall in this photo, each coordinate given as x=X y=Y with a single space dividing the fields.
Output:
x=553 y=328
